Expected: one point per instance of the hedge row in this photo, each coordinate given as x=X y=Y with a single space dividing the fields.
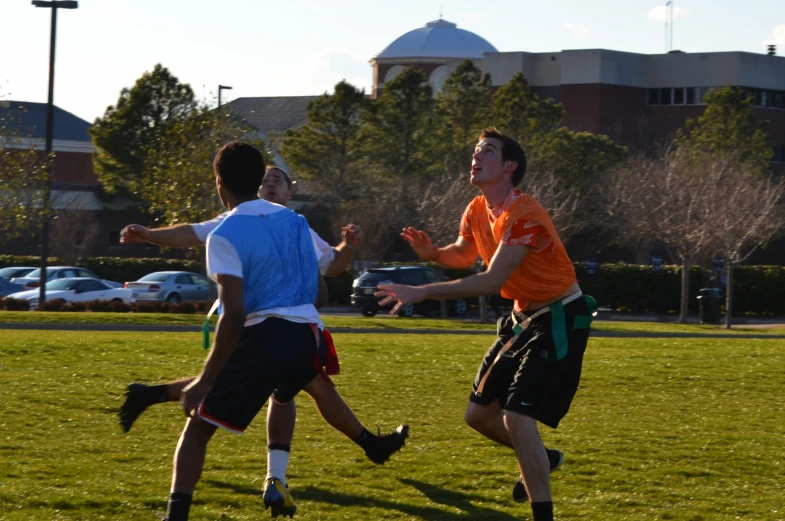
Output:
x=187 y=308
x=623 y=287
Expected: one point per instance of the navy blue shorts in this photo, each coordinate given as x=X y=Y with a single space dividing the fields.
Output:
x=274 y=357
x=526 y=378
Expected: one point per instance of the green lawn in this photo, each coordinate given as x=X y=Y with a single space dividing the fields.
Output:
x=379 y=322
x=662 y=429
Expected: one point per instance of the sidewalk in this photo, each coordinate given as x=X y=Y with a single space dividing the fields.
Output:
x=604 y=315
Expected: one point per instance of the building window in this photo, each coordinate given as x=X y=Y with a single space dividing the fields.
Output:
x=690 y=95
x=114 y=238
x=665 y=96
x=654 y=96
x=678 y=96
x=79 y=238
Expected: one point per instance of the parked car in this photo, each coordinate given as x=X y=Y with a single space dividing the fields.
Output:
x=79 y=289
x=15 y=271
x=33 y=279
x=7 y=287
x=364 y=287
x=172 y=287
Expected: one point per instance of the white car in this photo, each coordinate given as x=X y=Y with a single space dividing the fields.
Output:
x=78 y=289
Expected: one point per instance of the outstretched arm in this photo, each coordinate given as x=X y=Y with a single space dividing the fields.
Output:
x=504 y=262
x=177 y=236
x=459 y=255
x=352 y=238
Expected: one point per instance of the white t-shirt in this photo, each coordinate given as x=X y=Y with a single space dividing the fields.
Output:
x=223 y=259
x=203 y=229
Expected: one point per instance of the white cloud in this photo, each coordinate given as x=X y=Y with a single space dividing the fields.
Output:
x=333 y=65
x=660 y=13
x=578 y=31
x=777 y=37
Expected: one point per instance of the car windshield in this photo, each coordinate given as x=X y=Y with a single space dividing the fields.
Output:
x=62 y=284
x=155 y=277
x=7 y=273
x=36 y=274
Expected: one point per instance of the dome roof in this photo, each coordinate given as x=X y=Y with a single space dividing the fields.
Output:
x=438 y=39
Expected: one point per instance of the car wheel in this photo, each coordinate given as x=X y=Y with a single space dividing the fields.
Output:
x=460 y=307
x=174 y=298
x=368 y=312
x=117 y=300
x=406 y=311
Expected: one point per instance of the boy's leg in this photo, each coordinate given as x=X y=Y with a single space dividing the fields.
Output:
x=339 y=415
x=188 y=465
x=533 y=462
x=138 y=397
x=280 y=430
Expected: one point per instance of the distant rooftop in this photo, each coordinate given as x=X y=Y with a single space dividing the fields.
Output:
x=28 y=119
x=273 y=114
x=438 y=39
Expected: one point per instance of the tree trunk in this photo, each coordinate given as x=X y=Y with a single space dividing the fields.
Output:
x=483 y=309
x=729 y=296
x=443 y=308
x=685 y=290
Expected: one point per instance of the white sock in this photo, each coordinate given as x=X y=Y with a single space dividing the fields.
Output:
x=277 y=464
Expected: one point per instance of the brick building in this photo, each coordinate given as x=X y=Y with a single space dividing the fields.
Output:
x=89 y=223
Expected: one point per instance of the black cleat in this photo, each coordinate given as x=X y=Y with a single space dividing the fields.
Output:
x=135 y=404
x=555 y=458
x=384 y=446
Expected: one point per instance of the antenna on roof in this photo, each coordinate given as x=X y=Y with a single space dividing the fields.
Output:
x=668 y=26
x=441 y=12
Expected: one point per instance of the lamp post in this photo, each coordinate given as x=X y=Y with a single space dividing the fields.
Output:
x=54 y=5
x=220 y=88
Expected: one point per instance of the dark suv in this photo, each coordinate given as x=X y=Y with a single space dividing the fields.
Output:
x=366 y=284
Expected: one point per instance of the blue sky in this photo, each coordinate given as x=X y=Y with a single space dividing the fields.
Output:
x=299 y=47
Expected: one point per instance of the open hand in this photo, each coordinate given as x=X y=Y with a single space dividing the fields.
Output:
x=400 y=293
x=193 y=395
x=420 y=243
x=352 y=235
x=134 y=233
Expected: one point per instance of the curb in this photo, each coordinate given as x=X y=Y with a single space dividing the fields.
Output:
x=153 y=328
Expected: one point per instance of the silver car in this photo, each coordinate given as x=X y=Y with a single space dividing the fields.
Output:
x=172 y=287
x=33 y=279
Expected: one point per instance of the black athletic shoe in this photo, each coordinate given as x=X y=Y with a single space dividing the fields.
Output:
x=135 y=404
x=555 y=458
x=384 y=446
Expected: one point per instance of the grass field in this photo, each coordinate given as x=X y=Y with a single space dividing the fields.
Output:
x=381 y=322
x=662 y=429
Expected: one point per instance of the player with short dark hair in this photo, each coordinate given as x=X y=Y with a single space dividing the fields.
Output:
x=276 y=494
x=531 y=372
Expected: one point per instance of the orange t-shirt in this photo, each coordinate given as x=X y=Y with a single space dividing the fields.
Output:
x=546 y=271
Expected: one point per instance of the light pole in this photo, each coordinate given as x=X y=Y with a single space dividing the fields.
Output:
x=54 y=5
x=220 y=88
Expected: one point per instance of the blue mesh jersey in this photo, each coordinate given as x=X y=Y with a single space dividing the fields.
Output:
x=279 y=263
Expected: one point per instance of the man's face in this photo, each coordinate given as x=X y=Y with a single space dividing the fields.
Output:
x=274 y=188
x=487 y=164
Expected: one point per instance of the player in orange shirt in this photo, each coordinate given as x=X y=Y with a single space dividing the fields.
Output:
x=531 y=372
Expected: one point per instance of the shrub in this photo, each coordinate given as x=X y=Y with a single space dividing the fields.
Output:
x=119 y=307
x=52 y=305
x=146 y=307
x=75 y=306
x=186 y=308
x=99 y=306
x=12 y=304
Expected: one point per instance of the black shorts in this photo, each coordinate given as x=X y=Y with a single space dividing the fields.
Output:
x=528 y=378
x=275 y=357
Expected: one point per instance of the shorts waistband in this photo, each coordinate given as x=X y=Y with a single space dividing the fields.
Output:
x=524 y=319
